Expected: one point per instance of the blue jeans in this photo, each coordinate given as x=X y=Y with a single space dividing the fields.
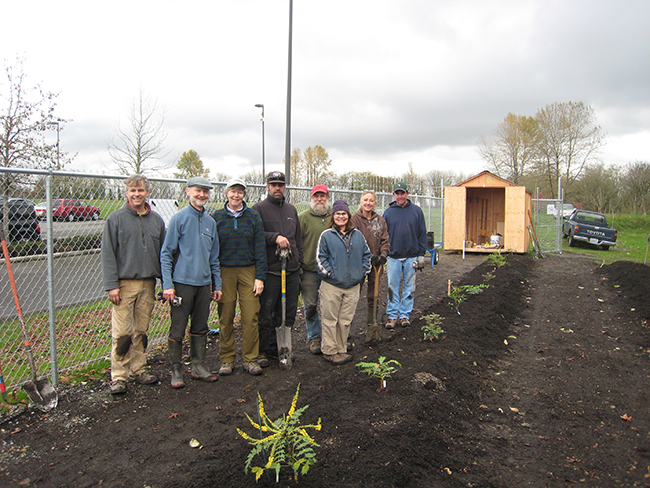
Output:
x=309 y=290
x=400 y=307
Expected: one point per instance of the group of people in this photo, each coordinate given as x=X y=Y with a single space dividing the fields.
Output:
x=263 y=257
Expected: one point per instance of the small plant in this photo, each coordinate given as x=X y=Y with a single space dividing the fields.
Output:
x=432 y=329
x=496 y=259
x=382 y=369
x=459 y=294
x=287 y=443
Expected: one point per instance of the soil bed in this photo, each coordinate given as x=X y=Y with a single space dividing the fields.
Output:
x=542 y=380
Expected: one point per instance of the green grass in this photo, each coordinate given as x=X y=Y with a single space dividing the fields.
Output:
x=633 y=232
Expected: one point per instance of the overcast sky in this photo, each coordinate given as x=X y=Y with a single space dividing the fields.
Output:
x=379 y=84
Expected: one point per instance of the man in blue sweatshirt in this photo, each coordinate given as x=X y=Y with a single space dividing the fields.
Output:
x=407 y=233
x=191 y=277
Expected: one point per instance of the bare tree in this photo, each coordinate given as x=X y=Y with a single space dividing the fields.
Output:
x=311 y=167
x=134 y=149
x=569 y=139
x=26 y=116
x=599 y=188
x=637 y=186
x=513 y=149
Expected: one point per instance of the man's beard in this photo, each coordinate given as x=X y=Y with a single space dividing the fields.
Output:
x=319 y=208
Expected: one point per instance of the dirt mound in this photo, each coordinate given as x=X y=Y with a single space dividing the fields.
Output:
x=541 y=380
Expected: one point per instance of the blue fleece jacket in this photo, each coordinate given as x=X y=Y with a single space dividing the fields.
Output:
x=407 y=230
x=342 y=259
x=190 y=253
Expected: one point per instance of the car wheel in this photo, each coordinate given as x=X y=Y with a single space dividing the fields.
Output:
x=572 y=241
x=95 y=215
x=70 y=217
x=605 y=248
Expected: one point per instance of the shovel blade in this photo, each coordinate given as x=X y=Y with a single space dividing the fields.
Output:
x=42 y=395
x=285 y=357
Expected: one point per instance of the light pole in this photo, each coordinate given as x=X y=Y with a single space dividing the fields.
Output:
x=58 y=163
x=261 y=105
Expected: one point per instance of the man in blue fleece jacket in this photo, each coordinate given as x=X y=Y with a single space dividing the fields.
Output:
x=190 y=271
x=407 y=233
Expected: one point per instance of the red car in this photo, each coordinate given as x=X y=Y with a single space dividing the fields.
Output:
x=70 y=210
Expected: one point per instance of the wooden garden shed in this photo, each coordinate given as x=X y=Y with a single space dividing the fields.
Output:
x=487 y=213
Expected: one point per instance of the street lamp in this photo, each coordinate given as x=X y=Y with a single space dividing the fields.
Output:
x=261 y=105
x=58 y=164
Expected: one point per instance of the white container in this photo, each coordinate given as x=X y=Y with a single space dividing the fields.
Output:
x=495 y=240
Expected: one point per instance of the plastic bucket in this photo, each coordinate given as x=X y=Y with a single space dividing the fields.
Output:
x=495 y=240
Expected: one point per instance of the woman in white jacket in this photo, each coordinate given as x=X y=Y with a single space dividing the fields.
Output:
x=342 y=260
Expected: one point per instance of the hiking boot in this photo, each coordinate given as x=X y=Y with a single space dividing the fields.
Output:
x=118 y=387
x=390 y=324
x=338 y=358
x=262 y=360
x=225 y=369
x=345 y=358
x=146 y=378
x=314 y=346
x=252 y=368
x=406 y=322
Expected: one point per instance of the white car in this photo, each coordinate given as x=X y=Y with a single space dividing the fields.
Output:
x=41 y=210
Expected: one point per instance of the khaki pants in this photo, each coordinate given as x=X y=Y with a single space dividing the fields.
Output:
x=238 y=281
x=130 y=323
x=337 y=306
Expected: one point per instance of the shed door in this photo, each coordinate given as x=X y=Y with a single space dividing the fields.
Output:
x=455 y=217
x=516 y=229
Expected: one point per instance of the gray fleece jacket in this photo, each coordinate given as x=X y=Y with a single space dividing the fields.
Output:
x=131 y=246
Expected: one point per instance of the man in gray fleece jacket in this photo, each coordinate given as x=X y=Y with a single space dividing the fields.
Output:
x=133 y=236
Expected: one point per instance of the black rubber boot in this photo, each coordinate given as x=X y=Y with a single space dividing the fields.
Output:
x=175 y=356
x=197 y=351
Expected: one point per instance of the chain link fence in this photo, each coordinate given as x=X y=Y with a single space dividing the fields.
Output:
x=57 y=264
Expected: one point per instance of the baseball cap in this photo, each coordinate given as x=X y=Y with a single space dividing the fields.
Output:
x=236 y=182
x=400 y=185
x=319 y=188
x=200 y=182
x=275 y=177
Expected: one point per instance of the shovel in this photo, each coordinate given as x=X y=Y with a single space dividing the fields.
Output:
x=40 y=392
x=283 y=333
x=373 y=333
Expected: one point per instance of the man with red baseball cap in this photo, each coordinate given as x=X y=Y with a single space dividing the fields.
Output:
x=312 y=223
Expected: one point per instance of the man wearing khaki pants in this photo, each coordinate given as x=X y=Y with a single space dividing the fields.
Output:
x=131 y=245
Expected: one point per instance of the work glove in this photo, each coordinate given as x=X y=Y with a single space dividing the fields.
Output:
x=420 y=263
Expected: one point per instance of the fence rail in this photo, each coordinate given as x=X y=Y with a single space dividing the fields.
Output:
x=59 y=276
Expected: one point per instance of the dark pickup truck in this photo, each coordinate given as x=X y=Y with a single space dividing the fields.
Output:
x=590 y=227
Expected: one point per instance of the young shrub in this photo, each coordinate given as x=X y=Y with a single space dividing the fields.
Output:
x=432 y=328
x=286 y=443
x=459 y=294
x=496 y=259
x=382 y=369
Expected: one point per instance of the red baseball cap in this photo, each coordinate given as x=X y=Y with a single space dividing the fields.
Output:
x=319 y=188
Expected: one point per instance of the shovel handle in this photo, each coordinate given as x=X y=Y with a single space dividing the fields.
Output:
x=19 y=311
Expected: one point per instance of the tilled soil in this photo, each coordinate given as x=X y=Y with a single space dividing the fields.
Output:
x=541 y=380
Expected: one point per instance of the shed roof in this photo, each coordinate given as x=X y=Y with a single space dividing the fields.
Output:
x=485 y=179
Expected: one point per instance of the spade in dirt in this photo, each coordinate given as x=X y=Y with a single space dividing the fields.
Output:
x=283 y=333
x=40 y=392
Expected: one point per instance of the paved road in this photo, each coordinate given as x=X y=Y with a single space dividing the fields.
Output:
x=69 y=229
x=77 y=279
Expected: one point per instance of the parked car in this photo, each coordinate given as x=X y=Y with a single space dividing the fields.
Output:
x=41 y=210
x=590 y=227
x=23 y=224
x=565 y=210
x=70 y=209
